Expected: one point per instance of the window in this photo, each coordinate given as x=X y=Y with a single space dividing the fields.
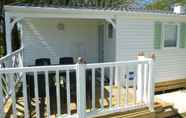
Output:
x=110 y=31
x=170 y=35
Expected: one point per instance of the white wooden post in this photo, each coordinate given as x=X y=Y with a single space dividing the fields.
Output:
x=117 y=76
x=81 y=93
x=151 y=84
x=140 y=78
x=8 y=34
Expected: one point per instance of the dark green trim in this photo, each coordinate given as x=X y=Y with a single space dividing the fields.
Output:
x=157 y=35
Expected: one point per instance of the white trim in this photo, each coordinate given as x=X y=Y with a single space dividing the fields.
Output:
x=163 y=35
x=14 y=22
x=8 y=34
x=17 y=9
x=111 y=21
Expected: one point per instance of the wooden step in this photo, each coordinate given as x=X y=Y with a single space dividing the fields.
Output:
x=170 y=85
x=140 y=113
x=162 y=110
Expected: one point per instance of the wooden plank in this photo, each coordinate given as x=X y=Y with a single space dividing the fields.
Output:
x=170 y=85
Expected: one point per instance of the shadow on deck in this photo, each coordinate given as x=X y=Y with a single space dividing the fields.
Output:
x=63 y=97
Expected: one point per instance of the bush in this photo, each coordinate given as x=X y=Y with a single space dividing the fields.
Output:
x=1 y=45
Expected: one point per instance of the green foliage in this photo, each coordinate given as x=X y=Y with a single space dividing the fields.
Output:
x=70 y=2
x=164 y=4
x=1 y=45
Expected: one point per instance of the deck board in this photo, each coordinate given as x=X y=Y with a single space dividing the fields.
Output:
x=20 y=102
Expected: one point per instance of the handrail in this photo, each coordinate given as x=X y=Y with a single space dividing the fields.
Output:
x=38 y=68
x=62 y=67
x=77 y=77
x=147 y=60
x=11 y=54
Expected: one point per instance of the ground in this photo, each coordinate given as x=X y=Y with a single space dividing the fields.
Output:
x=177 y=99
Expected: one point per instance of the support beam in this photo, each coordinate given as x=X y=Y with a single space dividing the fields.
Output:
x=14 y=22
x=8 y=34
x=112 y=22
x=9 y=24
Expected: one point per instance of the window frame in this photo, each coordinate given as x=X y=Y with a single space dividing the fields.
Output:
x=163 y=35
x=107 y=32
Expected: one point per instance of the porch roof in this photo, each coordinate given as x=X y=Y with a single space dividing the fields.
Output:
x=83 y=9
x=93 y=6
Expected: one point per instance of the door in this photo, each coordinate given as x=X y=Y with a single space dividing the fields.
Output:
x=101 y=43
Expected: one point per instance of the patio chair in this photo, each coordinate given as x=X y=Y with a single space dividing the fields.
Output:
x=66 y=60
x=42 y=62
x=41 y=81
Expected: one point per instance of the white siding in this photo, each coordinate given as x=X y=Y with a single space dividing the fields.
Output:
x=109 y=50
x=43 y=39
x=134 y=35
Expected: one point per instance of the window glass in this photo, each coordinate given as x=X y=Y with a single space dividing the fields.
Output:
x=110 y=31
x=171 y=35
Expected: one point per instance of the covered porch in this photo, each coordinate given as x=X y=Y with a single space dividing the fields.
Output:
x=94 y=86
x=59 y=35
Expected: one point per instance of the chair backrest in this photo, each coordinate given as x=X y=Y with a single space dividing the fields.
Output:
x=42 y=62
x=66 y=60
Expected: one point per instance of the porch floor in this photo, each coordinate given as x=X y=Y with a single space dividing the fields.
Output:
x=20 y=102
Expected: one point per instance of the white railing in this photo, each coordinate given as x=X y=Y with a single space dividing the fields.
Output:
x=13 y=60
x=86 y=78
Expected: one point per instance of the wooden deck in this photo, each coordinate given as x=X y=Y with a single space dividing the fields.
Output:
x=163 y=109
x=20 y=102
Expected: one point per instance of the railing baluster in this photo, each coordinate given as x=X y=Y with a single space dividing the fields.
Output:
x=151 y=86
x=36 y=95
x=1 y=98
x=20 y=60
x=102 y=87
x=93 y=90
x=68 y=92
x=126 y=86
x=13 y=95
x=134 y=88
x=25 y=95
x=47 y=93
x=110 y=84
x=58 y=94
x=145 y=83
x=117 y=77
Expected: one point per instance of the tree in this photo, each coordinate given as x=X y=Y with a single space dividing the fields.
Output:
x=164 y=4
x=100 y=3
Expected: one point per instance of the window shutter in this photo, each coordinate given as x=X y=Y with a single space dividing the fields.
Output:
x=157 y=35
x=182 y=41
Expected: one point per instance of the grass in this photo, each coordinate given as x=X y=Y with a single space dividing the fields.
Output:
x=183 y=115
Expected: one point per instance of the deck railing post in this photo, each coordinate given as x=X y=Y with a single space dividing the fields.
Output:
x=151 y=84
x=81 y=93
x=140 y=78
